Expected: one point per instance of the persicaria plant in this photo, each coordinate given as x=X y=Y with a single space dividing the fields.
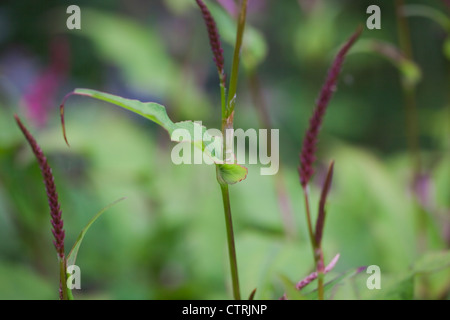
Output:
x=314 y=185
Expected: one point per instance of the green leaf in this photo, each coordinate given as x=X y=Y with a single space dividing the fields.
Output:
x=232 y=173
x=289 y=287
x=71 y=258
x=150 y=110
x=402 y=289
x=20 y=282
x=447 y=48
x=432 y=262
x=333 y=283
x=196 y=134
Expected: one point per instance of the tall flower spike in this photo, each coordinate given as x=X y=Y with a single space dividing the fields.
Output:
x=52 y=195
x=214 y=40
x=307 y=156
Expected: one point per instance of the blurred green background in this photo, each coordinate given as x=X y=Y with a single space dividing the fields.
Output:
x=167 y=239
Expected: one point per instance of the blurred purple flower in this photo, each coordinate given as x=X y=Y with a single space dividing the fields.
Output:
x=39 y=97
x=229 y=6
x=422 y=189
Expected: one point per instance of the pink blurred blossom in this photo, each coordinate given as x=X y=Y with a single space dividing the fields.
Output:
x=39 y=97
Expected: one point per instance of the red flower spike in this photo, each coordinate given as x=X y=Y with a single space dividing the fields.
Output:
x=307 y=156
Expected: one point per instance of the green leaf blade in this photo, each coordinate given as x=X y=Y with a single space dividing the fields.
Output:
x=71 y=258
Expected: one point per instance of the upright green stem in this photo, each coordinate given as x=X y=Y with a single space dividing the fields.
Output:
x=237 y=52
x=308 y=220
x=62 y=278
x=230 y=239
x=227 y=124
x=316 y=248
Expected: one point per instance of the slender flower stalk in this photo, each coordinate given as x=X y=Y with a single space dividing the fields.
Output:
x=55 y=210
x=308 y=156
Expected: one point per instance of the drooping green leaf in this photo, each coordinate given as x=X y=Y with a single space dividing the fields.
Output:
x=195 y=133
x=410 y=71
x=150 y=110
x=72 y=257
x=428 y=12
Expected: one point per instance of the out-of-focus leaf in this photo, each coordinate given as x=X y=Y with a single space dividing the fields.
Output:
x=72 y=257
x=138 y=51
x=319 y=40
x=447 y=48
x=330 y=285
x=402 y=289
x=20 y=283
x=429 y=12
x=409 y=70
x=140 y=54
x=291 y=292
x=432 y=262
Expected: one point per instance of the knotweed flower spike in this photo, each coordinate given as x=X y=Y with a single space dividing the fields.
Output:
x=52 y=195
x=307 y=156
x=214 y=40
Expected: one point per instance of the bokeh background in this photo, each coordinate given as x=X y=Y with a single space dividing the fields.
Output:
x=167 y=239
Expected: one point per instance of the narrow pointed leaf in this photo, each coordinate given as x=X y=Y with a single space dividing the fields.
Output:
x=323 y=197
x=252 y=295
x=72 y=257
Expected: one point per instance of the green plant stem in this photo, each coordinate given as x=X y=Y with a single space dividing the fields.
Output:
x=320 y=289
x=316 y=248
x=235 y=66
x=230 y=239
x=62 y=278
x=308 y=220
x=409 y=91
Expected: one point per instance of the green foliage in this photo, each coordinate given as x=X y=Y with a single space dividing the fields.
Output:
x=167 y=240
x=72 y=256
x=229 y=173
